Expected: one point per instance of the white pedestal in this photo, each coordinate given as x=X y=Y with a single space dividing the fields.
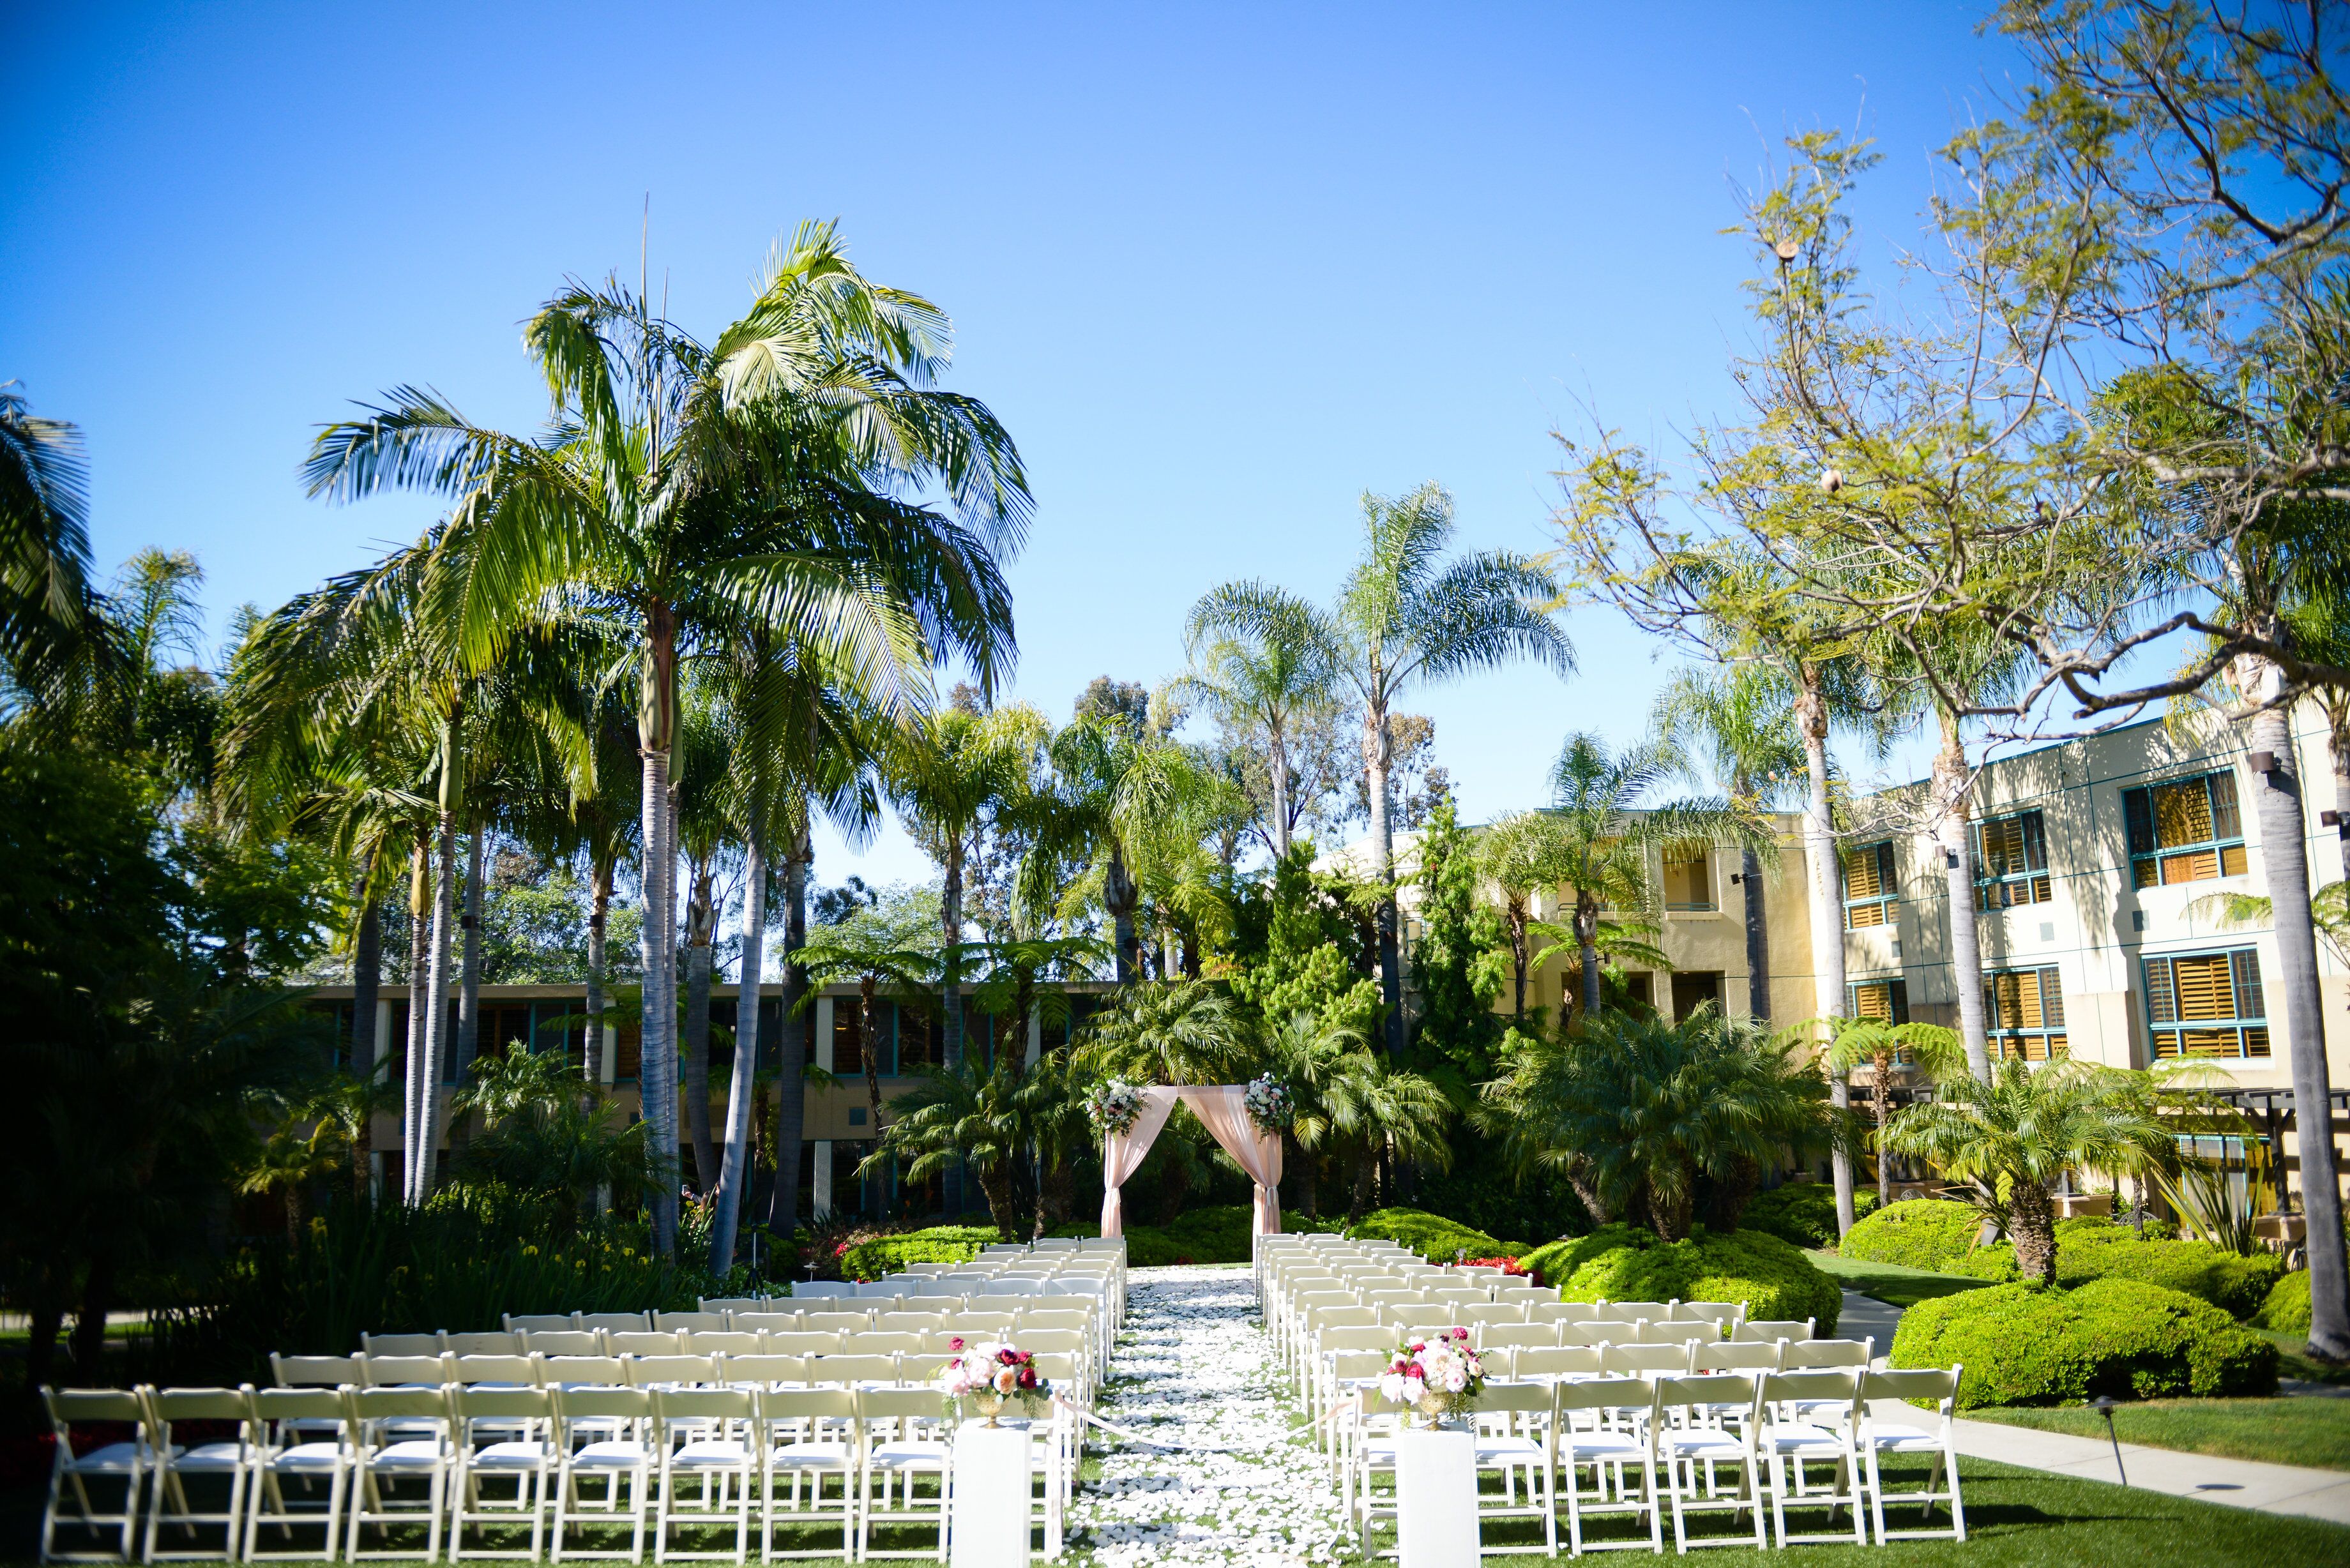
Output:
x=1436 y=1499
x=988 y=1511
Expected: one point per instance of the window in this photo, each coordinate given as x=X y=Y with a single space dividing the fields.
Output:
x=2011 y=862
x=1688 y=880
x=1881 y=1001
x=1869 y=889
x=2207 y=1005
x=2024 y=1010
x=848 y=1038
x=2185 y=831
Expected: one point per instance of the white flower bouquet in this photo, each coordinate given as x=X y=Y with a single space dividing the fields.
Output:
x=990 y=1376
x=1113 y=1106
x=1439 y=1377
x=1269 y=1105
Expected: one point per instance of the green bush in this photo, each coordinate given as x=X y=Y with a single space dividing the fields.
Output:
x=1802 y=1213
x=1621 y=1263
x=2023 y=1345
x=939 y=1244
x=2090 y=1250
x=1432 y=1236
x=1218 y=1233
x=2286 y=1311
x=1919 y=1233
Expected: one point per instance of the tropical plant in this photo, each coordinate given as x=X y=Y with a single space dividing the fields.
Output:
x=980 y=1115
x=1170 y=1031
x=2011 y=1140
x=1108 y=810
x=46 y=608
x=1307 y=1053
x=1523 y=855
x=550 y=1133
x=1377 y=1112
x=1261 y=674
x=875 y=949
x=1457 y=963
x=1879 y=1044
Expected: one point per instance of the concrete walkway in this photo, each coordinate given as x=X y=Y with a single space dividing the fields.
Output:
x=2236 y=1483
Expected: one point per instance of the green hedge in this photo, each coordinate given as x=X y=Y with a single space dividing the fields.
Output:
x=1802 y=1213
x=1621 y=1263
x=2023 y=1345
x=1919 y=1233
x=1432 y=1236
x=2286 y=1310
x=2101 y=1250
x=939 y=1244
x=1218 y=1233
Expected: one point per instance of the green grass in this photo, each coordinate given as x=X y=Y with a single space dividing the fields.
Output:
x=2278 y=1431
x=1891 y=1282
x=2293 y=1361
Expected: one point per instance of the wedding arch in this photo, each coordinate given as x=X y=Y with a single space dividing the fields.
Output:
x=1223 y=1109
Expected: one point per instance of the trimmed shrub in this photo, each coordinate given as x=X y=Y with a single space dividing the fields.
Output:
x=1621 y=1263
x=2090 y=1250
x=1802 y=1213
x=2286 y=1310
x=939 y=1244
x=1919 y=1233
x=2021 y=1344
x=1432 y=1236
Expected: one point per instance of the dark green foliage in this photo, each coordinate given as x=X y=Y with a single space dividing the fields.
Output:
x=1802 y=1213
x=1218 y=1233
x=1484 y=1190
x=2286 y=1310
x=1623 y=1262
x=1457 y=963
x=1919 y=1233
x=1432 y=1236
x=1314 y=958
x=938 y=1244
x=2090 y=1250
x=2024 y=1345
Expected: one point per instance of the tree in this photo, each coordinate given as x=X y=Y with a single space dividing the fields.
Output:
x=1402 y=615
x=1179 y=1031
x=966 y=1113
x=2011 y=1140
x=1376 y=1110
x=1315 y=962
x=1879 y=1044
x=1522 y=855
x=1742 y=718
x=1106 y=808
x=694 y=492
x=46 y=609
x=895 y=948
x=1260 y=675
x=1457 y=960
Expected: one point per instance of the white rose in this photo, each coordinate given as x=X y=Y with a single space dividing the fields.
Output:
x=1391 y=1387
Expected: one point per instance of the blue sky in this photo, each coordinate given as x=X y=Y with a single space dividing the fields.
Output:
x=1219 y=269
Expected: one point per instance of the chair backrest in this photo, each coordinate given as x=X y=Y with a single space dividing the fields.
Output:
x=1319 y=1318
x=497 y=1343
x=869 y=1288
x=298 y=1404
x=388 y=1371
x=1058 y=1366
x=643 y=1342
x=1601 y=1312
x=364 y=1405
x=1552 y=1310
x=684 y=1322
x=849 y=1370
x=901 y=1404
x=471 y=1369
x=807 y=1290
x=1525 y=1295
x=584 y=1371
x=733 y=1303
x=1054 y=1243
x=1623 y=1360
x=538 y=1321
x=671 y=1405
x=1795 y=1328
x=315 y=1371
x=1492 y=1312
x=874 y=1342
x=1737 y=1355
x=1059 y=1340
x=802 y=1344
x=1558 y=1361
x=1670 y=1333
x=908 y=1322
x=400 y=1344
x=766 y=1322
x=562 y=1342
x=1075 y=1285
x=764 y=1370
x=1455 y=1296
x=646 y=1371
x=778 y=1405
x=1713 y=1390
x=1939 y=1383
x=165 y=1406
x=1514 y=1397
x=603 y=1402
x=982 y=1324
x=1517 y=1335
x=1814 y=1388
x=1358 y=1366
x=1608 y=1393
x=1805 y=1353
x=1728 y=1313
x=721 y=1342
x=611 y=1321
x=1593 y=1333
x=837 y=1321
x=468 y=1404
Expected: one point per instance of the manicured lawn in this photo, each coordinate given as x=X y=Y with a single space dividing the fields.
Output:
x=2293 y=1360
x=2280 y=1431
x=1890 y=1283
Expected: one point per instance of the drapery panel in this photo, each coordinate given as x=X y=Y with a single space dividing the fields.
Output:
x=1223 y=1111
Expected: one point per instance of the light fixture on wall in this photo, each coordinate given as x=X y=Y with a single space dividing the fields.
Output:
x=1950 y=859
x=2264 y=762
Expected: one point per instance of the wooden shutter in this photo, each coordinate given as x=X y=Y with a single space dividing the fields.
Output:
x=1861 y=878
x=2204 y=985
x=2161 y=998
x=2182 y=814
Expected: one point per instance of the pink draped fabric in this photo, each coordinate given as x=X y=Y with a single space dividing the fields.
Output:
x=1223 y=1111
x=1122 y=1155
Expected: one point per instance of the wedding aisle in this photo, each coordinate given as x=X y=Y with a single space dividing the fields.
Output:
x=1215 y=1475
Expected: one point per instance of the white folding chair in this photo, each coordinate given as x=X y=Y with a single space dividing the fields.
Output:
x=1879 y=1438
x=397 y=1435
x=286 y=1454
x=917 y=1448
x=1515 y=1439
x=1813 y=1418
x=601 y=1436
x=514 y=1431
x=809 y=1434
x=709 y=1437
x=1689 y=1448
x=1608 y=1425
x=127 y=1463
x=177 y=1463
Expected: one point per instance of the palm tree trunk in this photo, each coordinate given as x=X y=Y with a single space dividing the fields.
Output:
x=1378 y=753
x=950 y=1034
x=2276 y=802
x=869 y=1048
x=1586 y=939
x=600 y=913
x=791 y=1051
x=1880 y=1105
x=1822 y=874
x=1276 y=759
x=656 y=1069
x=2031 y=1220
x=420 y=974
x=1951 y=820
x=1515 y=914
x=469 y=980
x=1118 y=893
x=701 y=927
x=736 y=1171
x=1758 y=937
x=1359 y=1203
x=445 y=919
x=367 y=971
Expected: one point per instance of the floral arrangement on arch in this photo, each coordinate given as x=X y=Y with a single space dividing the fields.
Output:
x=1269 y=1105
x=991 y=1375
x=1113 y=1106
x=1440 y=1376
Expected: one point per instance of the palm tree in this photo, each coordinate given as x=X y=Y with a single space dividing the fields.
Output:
x=1377 y=1108
x=1404 y=614
x=2010 y=1141
x=1607 y=837
x=1742 y=717
x=966 y=1116
x=1260 y=670
x=1523 y=856
x=1879 y=1044
x=873 y=950
x=46 y=601
x=1175 y=1032
x=1307 y=1055
x=1109 y=805
x=698 y=491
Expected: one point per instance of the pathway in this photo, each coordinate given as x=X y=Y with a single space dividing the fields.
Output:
x=1216 y=1475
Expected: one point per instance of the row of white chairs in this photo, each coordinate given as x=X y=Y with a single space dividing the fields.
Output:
x=1747 y=1443
x=558 y=1463
x=804 y=1335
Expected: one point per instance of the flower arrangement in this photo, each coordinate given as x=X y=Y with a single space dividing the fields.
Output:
x=1510 y=1266
x=1269 y=1105
x=1439 y=1377
x=990 y=1376
x=1113 y=1106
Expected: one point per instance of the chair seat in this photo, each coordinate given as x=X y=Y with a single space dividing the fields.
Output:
x=1702 y=1445
x=212 y=1456
x=519 y=1454
x=1507 y=1451
x=612 y=1454
x=414 y=1454
x=1789 y=1440
x=712 y=1453
x=911 y=1454
x=1885 y=1438
x=1602 y=1446
x=114 y=1459
x=308 y=1458
x=810 y=1456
